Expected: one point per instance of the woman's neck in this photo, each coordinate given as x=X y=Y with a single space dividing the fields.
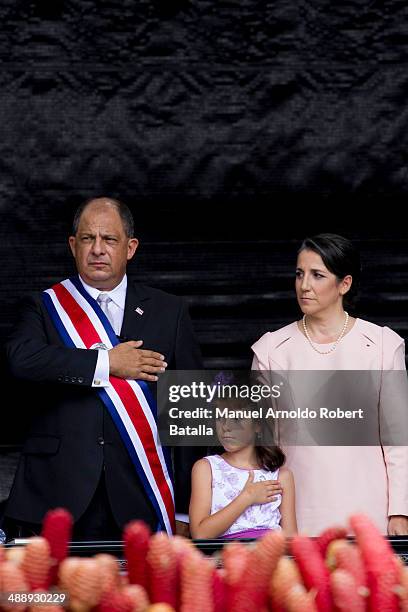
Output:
x=243 y=458
x=325 y=326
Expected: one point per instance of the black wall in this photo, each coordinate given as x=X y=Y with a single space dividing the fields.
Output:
x=232 y=128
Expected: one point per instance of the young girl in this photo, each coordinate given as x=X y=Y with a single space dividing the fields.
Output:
x=237 y=494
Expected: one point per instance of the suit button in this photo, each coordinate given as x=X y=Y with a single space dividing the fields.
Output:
x=101 y=441
x=60 y=378
x=80 y=379
x=73 y=379
x=67 y=379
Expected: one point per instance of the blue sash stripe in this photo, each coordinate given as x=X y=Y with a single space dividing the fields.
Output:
x=149 y=397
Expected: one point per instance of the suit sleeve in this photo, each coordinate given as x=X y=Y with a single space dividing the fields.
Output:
x=34 y=357
x=187 y=356
x=394 y=407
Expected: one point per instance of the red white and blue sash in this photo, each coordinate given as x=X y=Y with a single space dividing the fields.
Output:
x=81 y=323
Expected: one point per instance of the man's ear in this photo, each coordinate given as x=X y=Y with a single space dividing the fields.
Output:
x=72 y=244
x=133 y=243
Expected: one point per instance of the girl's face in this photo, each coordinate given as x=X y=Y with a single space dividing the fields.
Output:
x=318 y=289
x=235 y=434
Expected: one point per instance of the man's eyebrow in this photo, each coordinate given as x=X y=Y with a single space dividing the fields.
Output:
x=93 y=234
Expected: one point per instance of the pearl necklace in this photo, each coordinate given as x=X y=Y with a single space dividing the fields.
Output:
x=333 y=348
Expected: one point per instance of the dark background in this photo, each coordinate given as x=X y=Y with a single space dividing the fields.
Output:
x=233 y=128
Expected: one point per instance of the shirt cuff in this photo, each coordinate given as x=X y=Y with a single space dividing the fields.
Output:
x=101 y=376
x=183 y=518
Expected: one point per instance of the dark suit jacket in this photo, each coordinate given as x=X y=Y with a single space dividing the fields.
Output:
x=73 y=438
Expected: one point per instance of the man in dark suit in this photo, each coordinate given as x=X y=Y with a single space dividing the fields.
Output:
x=74 y=455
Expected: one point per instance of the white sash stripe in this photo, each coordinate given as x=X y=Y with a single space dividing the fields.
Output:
x=72 y=332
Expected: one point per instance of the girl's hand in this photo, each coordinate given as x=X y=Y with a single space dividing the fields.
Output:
x=261 y=492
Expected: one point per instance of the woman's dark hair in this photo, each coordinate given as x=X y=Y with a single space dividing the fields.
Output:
x=339 y=256
x=270 y=457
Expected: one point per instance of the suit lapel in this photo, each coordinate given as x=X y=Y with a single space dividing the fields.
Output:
x=136 y=312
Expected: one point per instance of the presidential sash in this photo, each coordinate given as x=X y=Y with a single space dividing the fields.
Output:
x=82 y=324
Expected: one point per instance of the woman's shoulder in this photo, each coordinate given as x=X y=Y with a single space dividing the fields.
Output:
x=378 y=334
x=275 y=339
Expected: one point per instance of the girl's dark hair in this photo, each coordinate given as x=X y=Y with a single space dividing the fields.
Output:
x=270 y=457
x=339 y=256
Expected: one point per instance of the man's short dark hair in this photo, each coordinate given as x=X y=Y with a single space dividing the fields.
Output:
x=121 y=207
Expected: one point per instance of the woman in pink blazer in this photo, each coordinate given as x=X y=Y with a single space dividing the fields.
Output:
x=333 y=482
